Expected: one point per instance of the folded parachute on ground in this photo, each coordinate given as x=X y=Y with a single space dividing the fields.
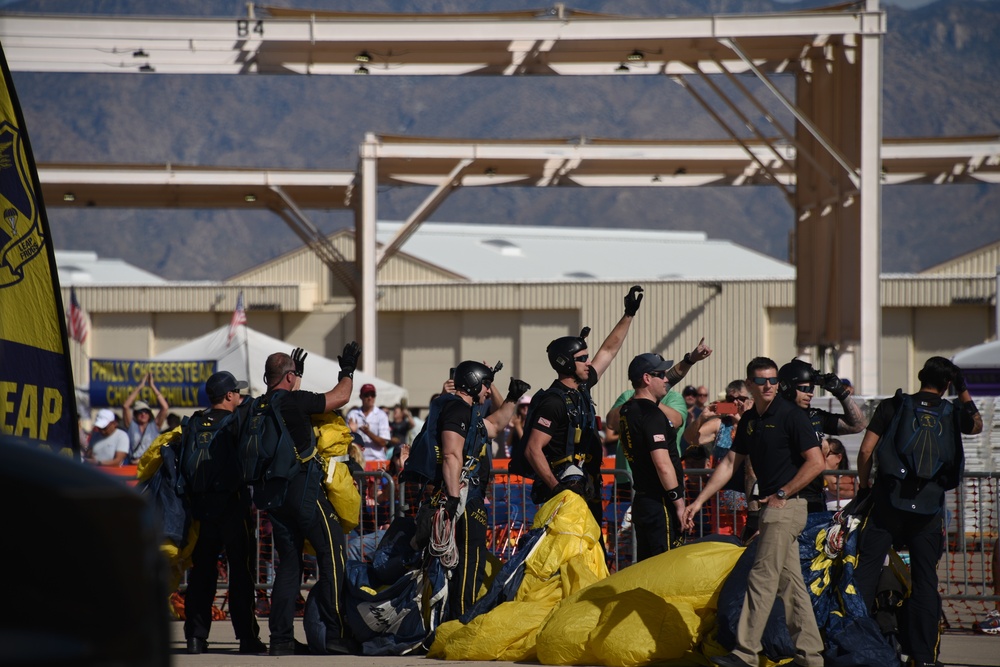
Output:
x=655 y=611
x=562 y=555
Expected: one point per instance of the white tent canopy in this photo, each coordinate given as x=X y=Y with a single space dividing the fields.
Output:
x=986 y=355
x=320 y=373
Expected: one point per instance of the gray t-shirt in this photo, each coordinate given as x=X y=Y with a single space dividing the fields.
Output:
x=103 y=448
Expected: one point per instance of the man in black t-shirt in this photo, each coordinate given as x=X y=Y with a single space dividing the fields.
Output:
x=226 y=522
x=786 y=456
x=464 y=470
x=797 y=383
x=921 y=529
x=564 y=448
x=306 y=513
x=649 y=443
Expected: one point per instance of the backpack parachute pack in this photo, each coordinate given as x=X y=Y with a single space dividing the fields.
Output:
x=267 y=452
x=333 y=439
x=207 y=461
x=920 y=454
x=424 y=463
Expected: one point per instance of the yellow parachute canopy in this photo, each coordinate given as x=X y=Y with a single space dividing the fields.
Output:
x=568 y=558
x=655 y=611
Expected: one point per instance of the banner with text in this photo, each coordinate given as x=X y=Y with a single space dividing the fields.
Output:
x=37 y=398
x=182 y=383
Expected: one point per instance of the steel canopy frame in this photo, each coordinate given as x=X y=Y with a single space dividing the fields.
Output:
x=561 y=41
x=452 y=163
x=834 y=54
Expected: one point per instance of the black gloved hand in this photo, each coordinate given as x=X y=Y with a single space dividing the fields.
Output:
x=451 y=507
x=424 y=527
x=577 y=485
x=958 y=381
x=751 y=527
x=516 y=389
x=349 y=360
x=299 y=357
x=632 y=300
x=833 y=385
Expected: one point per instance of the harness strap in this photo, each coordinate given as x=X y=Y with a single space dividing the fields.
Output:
x=572 y=458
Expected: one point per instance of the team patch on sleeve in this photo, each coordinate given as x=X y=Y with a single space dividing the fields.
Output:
x=659 y=437
x=542 y=421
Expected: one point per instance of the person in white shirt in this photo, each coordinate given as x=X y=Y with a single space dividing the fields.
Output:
x=371 y=425
x=108 y=445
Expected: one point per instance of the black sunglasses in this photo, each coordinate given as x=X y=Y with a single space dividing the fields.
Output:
x=805 y=388
x=582 y=358
x=659 y=374
x=760 y=382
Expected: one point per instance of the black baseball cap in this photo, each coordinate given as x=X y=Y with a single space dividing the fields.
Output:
x=648 y=363
x=222 y=382
x=690 y=390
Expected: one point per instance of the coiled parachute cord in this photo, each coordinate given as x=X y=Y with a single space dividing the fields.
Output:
x=442 y=545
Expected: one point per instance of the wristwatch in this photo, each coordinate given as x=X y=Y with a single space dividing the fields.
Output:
x=780 y=494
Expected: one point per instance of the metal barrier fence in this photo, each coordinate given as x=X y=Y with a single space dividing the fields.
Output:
x=967 y=585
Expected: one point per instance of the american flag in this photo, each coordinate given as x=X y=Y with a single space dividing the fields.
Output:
x=78 y=325
x=239 y=317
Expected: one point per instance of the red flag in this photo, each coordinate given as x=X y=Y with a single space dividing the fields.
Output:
x=78 y=324
x=239 y=317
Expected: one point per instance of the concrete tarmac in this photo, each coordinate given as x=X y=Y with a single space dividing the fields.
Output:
x=958 y=649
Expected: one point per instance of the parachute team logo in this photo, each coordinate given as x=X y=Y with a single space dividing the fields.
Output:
x=20 y=238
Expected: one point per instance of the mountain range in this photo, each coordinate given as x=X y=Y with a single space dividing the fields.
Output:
x=941 y=78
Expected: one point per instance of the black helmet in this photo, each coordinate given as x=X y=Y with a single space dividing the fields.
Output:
x=562 y=350
x=472 y=376
x=794 y=373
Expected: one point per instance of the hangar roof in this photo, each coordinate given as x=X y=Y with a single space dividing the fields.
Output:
x=489 y=253
x=84 y=267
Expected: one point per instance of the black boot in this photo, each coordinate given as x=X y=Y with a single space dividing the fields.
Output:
x=252 y=647
x=197 y=646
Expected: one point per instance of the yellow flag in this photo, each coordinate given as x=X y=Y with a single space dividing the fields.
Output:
x=36 y=384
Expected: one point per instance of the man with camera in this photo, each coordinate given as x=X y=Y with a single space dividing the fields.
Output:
x=797 y=382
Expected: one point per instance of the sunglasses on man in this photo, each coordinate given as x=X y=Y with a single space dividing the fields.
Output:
x=760 y=382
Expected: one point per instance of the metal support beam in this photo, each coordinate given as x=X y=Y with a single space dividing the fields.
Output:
x=871 y=210
x=769 y=117
x=795 y=111
x=318 y=242
x=722 y=123
x=450 y=182
x=747 y=122
x=366 y=311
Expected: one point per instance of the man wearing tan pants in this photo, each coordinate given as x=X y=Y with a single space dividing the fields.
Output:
x=786 y=456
